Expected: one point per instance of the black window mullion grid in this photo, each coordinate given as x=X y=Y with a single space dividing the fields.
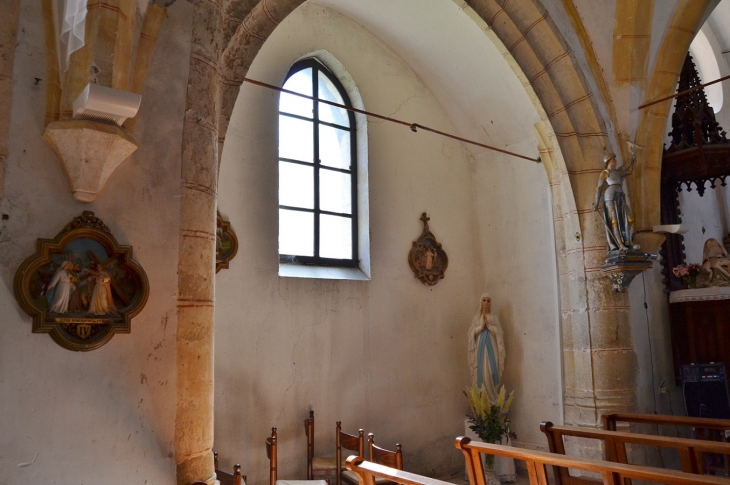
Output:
x=304 y=118
x=304 y=209
x=317 y=259
x=353 y=186
x=317 y=163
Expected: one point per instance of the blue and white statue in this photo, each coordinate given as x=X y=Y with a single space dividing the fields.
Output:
x=486 y=348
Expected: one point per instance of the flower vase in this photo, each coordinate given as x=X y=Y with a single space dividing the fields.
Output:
x=691 y=281
x=490 y=474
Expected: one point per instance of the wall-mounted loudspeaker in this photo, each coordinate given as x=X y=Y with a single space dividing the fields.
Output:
x=705 y=390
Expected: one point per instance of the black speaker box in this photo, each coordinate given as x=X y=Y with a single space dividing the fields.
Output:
x=705 y=390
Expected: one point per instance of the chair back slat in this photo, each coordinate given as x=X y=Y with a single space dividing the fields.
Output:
x=352 y=442
x=381 y=456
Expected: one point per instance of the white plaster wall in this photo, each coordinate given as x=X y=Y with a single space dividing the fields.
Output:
x=105 y=416
x=517 y=247
x=387 y=355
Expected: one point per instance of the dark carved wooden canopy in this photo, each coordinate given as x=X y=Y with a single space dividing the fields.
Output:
x=699 y=153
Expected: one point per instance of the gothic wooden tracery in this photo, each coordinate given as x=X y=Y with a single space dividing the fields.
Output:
x=699 y=153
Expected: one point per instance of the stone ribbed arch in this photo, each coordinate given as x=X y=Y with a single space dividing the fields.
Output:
x=599 y=362
x=650 y=133
x=598 y=359
x=632 y=41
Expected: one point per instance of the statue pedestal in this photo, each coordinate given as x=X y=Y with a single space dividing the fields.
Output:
x=622 y=266
x=504 y=467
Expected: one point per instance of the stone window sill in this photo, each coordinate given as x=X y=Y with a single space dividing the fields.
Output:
x=287 y=270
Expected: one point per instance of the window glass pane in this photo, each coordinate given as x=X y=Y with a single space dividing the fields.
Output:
x=296 y=140
x=301 y=82
x=334 y=147
x=335 y=237
x=296 y=185
x=296 y=233
x=335 y=191
x=328 y=113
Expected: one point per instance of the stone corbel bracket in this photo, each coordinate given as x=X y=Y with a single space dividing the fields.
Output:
x=623 y=266
x=89 y=152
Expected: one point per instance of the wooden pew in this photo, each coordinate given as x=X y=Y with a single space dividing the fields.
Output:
x=612 y=473
x=690 y=451
x=719 y=425
x=702 y=428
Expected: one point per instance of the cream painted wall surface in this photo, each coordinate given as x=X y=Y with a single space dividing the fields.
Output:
x=517 y=246
x=105 y=416
x=387 y=355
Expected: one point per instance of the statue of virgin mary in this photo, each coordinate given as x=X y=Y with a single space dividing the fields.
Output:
x=486 y=348
x=486 y=363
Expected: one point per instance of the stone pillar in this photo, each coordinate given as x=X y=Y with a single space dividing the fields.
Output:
x=9 y=14
x=196 y=266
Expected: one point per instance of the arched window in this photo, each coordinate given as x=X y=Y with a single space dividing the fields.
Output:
x=317 y=171
x=708 y=68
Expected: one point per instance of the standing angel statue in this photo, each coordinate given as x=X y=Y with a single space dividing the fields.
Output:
x=616 y=214
x=486 y=348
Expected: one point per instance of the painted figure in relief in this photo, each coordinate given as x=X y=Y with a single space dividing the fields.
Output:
x=101 y=301
x=616 y=213
x=486 y=348
x=58 y=292
x=715 y=269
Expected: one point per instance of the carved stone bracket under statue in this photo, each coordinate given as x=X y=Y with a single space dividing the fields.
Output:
x=82 y=287
x=623 y=266
x=427 y=258
x=89 y=152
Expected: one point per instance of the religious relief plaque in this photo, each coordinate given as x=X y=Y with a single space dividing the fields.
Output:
x=82 y=287
x=426 y=258
x=226 y=244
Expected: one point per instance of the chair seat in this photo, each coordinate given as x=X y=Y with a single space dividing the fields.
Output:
x=352 y=476
x=324 y=463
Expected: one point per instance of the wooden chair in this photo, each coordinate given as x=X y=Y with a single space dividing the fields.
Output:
x=318 y=467
x=348 y=442
x=381 y=456
x=226 y=478
x=271 y=452
x=690 y=451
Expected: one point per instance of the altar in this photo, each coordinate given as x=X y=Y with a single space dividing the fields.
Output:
x=700 y=325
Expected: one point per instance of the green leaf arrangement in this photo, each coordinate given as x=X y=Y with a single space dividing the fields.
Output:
x=489 y=419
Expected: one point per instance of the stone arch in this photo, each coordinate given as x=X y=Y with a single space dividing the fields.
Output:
x=600 y=369
x=574 y=140
x=687 y=20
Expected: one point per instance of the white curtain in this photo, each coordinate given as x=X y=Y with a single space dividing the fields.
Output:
x=70 y=26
